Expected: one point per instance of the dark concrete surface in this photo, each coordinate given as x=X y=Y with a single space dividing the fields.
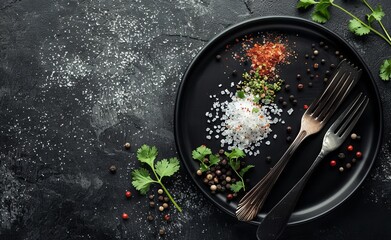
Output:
x=79 y=78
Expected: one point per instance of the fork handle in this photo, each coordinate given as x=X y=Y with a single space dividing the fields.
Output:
x=258 y=194
x=276 y=220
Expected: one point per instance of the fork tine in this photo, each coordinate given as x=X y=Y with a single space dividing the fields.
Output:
x=338 y=98
x=332 y=96
x=331 y=86
x=336 y=125
x=349 y=123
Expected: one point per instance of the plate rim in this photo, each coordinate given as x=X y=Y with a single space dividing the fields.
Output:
x=260 y=20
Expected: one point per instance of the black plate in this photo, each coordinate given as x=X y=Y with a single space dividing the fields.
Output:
x=328 y=187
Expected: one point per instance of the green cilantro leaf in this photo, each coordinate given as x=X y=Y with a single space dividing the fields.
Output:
x=240 y=94
x=358 y=28
x=385 y=70
x=213 y=160
x=255 y=110
x=147 y=154
x=245 y=169
x=141 y=180
x=236 y=187
x=166 y=168
x=321 y=12
x=235 y=153
x=305 y=3
x=200 y=153
x=377 y=14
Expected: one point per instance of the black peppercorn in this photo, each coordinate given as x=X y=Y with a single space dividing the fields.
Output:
x=150 y=218
x=218 y=57
x=151 y=196
x=310 y=84
x=113 y=169
x=298 y=76
x=280 y=99
x=308 y=70
x=287 y=87
x=166 y=199
x=300 y=86
x=337 y=53
x=291 y=98
x=332 y=66
x=321 y=44
x=341 y=155
x=160 y=198
x=127 y=146
x=327 y=73
x=312 y=76
x=322 y=61
x=221 y=151
x=162 y=232
x=284 y=104
x=234 y=73
x=326 y=47
x=306 y=56
x=289 y=129
x=152 y=204
x=288 y=139
x=268 y=159
x=294 y=102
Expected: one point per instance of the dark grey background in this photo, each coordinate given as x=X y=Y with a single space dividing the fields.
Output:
x=78 y=79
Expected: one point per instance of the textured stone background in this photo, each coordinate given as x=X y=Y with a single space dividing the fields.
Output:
x=78 y=78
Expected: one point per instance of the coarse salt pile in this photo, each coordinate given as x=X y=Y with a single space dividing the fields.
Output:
x=243 y=123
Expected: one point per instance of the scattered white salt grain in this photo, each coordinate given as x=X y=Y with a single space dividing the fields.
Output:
x=275 y=136
x=220 y=85
x=290 y=111
x=267 y=143
x=208 y=137
x=232 y=84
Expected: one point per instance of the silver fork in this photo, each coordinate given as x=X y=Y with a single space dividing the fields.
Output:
x=313 y=120
x=275 y=221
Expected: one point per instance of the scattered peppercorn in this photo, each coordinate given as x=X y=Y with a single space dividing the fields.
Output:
x=268 y=159
x=165 y=205
x=291 y=98
x=310 y=84
x=213 y=188
x=128 y=194
x=305 y=106
x=287 y=87
x=160 y=198
x=294 y=102
x=125 y=216
x=151 y=196
x=312 y=57
x=161 y=208
x=230 y=196
x=221 y=151
x=348 y=165
x=354 y=160
x=353 y=136
x=199 y=172
x=284 y=103
x=298 y=76
x=306 y=56
x=127 y=146
x=322 y=61
x=350 y=148
x=113 y=169
x=341 y=56
x=152 y=204
x=166 y=199
x=289 y=129
x=162 y=231
x=218 y=57
x=333 y=163
x=316 y=65
x=228 y=179
x=341 y=155
x=166 y=217
x=300 y=86
x=150 y=217
x=209 y=176
x=308 y=70
x=325 y=79
x=316 y=52
x=280 y=99
x=341 y=169
x=234 y=73
x=327 y=73
x=332 y=66
x=358 y=154
x=337 y=53
x=312 y=76
x=288 y=139
x=321 y=44
x=326 y=47
x=313 y=45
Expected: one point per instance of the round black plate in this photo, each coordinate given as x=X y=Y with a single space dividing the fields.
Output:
x=328 y=187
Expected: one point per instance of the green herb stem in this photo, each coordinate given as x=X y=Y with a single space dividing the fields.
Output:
x=241 y=179
x=159 y=180
x=380 y=22
x=170 y=197
x=364 y=24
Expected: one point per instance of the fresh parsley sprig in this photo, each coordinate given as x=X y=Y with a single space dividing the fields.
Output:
x=234 y=162
x=141 y=178
x=359 y=27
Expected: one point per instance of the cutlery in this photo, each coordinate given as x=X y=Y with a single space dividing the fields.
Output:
x=276 y=220
x=313 y=120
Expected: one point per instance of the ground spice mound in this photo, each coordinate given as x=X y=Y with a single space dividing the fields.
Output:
x=265 y=57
